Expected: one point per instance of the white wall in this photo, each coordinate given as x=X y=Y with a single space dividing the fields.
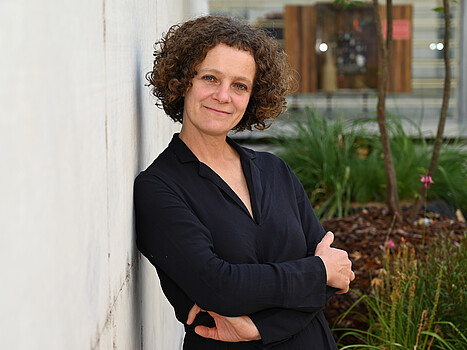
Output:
x=76 y=126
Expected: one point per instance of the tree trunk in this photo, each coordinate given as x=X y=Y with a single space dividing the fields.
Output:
x=391 y=179
x=443 y=115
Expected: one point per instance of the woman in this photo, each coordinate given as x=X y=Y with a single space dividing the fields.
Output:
x=238 y=250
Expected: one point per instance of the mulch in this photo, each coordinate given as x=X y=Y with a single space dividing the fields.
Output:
x=363 y=236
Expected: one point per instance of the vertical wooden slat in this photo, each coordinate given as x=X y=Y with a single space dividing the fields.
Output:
x=292 y=38
x=305 y=51
x=400 y=65
x=309 y=62
x=299 y=43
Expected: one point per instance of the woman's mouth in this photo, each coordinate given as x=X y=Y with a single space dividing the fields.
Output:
x=216 y=110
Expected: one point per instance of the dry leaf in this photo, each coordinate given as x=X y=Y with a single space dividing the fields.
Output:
x=356 y=255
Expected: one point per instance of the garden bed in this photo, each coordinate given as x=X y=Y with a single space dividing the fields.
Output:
x=363 y=236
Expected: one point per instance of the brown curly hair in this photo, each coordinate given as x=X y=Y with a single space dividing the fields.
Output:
x=185 y=46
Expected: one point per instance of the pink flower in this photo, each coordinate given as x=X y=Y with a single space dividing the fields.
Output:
x=427 y=180
x=391 y=244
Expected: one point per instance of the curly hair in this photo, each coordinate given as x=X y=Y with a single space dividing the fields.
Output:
x=185 y=46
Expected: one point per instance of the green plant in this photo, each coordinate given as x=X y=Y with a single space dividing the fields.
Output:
x=451 y=175
x=444 y=105
x=412 y=154
x=322 y=154
x=453 y=294
x=341 y=161
x=419 y=300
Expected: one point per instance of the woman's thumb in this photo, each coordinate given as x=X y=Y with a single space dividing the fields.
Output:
x=329 y=238
x=325 y=243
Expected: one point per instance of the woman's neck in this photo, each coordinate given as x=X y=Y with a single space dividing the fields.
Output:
x=207 y=148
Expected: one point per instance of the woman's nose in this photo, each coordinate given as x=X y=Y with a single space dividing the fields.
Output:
x=222 y=93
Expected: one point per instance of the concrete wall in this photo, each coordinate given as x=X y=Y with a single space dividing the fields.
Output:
x=76 y=126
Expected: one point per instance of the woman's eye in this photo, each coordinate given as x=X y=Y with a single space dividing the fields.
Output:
x=241 y=86
x=208 y=78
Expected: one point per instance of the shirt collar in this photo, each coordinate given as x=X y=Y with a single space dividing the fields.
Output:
x=185 y=155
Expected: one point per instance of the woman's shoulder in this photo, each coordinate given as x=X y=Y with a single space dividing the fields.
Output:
x=154 y=167
x=161 y=168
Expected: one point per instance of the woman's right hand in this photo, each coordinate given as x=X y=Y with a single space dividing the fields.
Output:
x=228 y=329
x=336 y=261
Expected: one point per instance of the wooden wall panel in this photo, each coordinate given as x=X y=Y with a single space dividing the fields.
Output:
x=292 y=36
x=400 y=67
x=300 y=40
x=309 y=70
x=299 y=43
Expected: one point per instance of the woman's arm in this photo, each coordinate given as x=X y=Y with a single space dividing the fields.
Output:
x=339 y=272
x=278 y=324
x=172 y=238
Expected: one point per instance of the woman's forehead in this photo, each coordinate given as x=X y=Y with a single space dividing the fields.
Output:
x=228 y=59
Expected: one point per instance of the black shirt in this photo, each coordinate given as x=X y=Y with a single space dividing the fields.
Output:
x=209 y=250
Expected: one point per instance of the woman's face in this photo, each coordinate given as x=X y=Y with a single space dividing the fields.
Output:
x=220 y=91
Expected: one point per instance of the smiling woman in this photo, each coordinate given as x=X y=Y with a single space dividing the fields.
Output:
x=239 y=252
x=183 y=48
x=219 y=93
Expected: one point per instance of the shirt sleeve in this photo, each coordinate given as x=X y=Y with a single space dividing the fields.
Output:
x=173 y=239
x=277 y=324
x=314 y=231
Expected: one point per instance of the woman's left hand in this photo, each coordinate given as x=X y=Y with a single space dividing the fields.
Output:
x=228 y=329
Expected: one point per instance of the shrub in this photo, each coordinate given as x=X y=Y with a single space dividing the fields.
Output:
x=322 y=154
x=341 y=161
